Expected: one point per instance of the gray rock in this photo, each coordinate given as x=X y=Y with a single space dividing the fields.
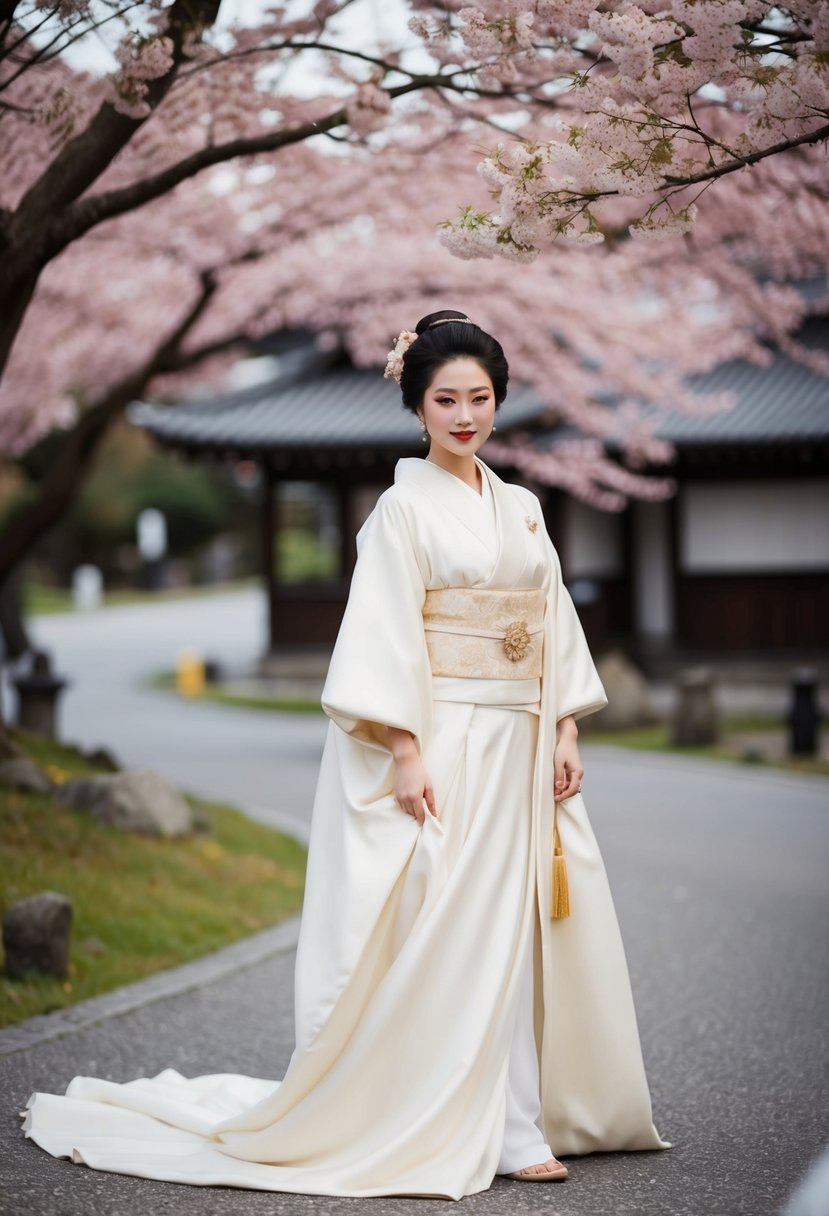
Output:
x=21 y=773
x=628 y=701
x=138 y=800
x=36 y=935
x=695 y=719
x=102 y=757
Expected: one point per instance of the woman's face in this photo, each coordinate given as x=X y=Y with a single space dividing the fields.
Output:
x=459 y=400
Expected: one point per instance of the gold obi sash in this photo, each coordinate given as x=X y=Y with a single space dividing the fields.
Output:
x=491 y=633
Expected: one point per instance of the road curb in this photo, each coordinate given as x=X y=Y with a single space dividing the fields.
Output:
x=245 y=953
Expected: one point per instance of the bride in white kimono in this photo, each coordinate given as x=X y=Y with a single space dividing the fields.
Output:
x=448 y=1027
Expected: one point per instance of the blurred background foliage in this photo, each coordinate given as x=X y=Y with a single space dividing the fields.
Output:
x=212 y=512
x=199 y=502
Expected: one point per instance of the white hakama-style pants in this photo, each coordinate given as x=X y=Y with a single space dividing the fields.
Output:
x=524 y=1142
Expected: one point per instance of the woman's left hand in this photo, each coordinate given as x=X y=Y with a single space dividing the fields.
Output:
x=567 y=769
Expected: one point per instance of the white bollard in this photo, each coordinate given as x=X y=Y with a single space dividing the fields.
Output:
x=87 y=587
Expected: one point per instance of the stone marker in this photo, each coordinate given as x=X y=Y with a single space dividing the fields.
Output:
x=36 y=935
x=694 y=718
x=628 y=702
x=21 y=773
x=137 y=800
x=38 y=692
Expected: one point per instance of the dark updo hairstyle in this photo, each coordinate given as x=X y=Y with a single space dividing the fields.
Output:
x=455 y=338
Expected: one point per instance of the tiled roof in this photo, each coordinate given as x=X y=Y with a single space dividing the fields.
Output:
x=346 y=407
x=785 y=401
x=341 y=407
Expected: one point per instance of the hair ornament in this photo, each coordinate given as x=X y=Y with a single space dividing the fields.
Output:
x=451 y=320
x=394 y=362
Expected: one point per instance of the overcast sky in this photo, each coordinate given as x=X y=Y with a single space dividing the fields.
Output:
x=361 y=27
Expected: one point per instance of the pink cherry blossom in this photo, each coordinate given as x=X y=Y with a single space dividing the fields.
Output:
x=696 y=128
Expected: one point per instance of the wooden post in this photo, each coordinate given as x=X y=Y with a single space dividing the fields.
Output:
x=348 y=552
x=268 y=538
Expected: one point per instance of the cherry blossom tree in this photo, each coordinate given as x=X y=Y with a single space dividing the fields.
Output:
x=618 y=101
x=156 y=220
x=641 y=103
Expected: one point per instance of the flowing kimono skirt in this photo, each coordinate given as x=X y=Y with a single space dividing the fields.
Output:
x=401 y=1087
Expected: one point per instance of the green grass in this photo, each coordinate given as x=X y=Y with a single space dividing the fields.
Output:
x=151 y=903
x=268 y=703
x=40 y=600
x=167 y=682
x=655 y=738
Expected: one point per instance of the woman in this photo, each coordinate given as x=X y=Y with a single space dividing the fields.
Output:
x=448 y=1028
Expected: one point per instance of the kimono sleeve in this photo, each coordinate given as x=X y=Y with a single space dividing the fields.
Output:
x=379 y=670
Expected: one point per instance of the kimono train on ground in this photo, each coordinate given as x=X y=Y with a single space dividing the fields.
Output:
x=409 y=956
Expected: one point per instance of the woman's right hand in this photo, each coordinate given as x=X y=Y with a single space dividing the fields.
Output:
x=412 y=785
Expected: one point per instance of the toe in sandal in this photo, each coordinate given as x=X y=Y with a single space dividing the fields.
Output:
x=557 y=1175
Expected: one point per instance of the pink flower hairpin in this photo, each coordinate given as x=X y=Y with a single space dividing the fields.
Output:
x=394 y=362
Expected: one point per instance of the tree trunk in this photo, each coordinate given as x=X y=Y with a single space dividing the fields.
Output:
x=30 y=236
x=15 y=639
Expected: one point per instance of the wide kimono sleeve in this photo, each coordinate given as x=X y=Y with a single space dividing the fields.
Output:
x=361 y=842
x=379 y=670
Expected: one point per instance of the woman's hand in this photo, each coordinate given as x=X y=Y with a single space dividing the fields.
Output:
x=412 y=785
x=567 y=766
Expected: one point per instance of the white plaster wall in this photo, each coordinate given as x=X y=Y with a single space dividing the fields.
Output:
x=652 y=583
x=763 y=525
x=593 y=541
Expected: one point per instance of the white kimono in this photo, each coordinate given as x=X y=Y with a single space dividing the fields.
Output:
x=414 y=939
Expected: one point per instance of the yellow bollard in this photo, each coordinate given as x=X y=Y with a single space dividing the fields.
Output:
x=190 y=673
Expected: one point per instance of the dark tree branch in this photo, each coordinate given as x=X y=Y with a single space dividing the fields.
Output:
x=89 y=212
x=752 y=158
x=82 y=160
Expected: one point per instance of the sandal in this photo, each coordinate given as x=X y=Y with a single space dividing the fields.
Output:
x=557 y=1175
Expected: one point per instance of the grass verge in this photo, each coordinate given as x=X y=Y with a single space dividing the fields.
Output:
x=140 y=904
x=167 y=682
x=743 y=738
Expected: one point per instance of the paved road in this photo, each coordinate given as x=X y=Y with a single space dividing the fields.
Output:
x=264 y=761
x=719 y=874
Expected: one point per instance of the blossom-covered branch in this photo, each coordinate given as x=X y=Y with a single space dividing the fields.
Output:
x=627 y=86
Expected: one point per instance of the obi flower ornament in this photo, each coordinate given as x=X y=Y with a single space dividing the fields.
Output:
x=516 y=640
x=394 y=362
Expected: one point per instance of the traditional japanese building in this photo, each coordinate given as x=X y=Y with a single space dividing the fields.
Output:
x=736 y=563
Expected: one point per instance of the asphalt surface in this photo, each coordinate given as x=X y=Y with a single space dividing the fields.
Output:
x=719 y=876
x=263 y=761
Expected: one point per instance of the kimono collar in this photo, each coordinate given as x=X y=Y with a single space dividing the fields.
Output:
x=418 y=468
x=451 y=494
x=516 y=546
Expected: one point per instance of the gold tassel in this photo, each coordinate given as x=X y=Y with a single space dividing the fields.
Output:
x=561 y=888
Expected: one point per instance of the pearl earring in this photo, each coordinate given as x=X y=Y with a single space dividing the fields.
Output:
x=494 y=429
